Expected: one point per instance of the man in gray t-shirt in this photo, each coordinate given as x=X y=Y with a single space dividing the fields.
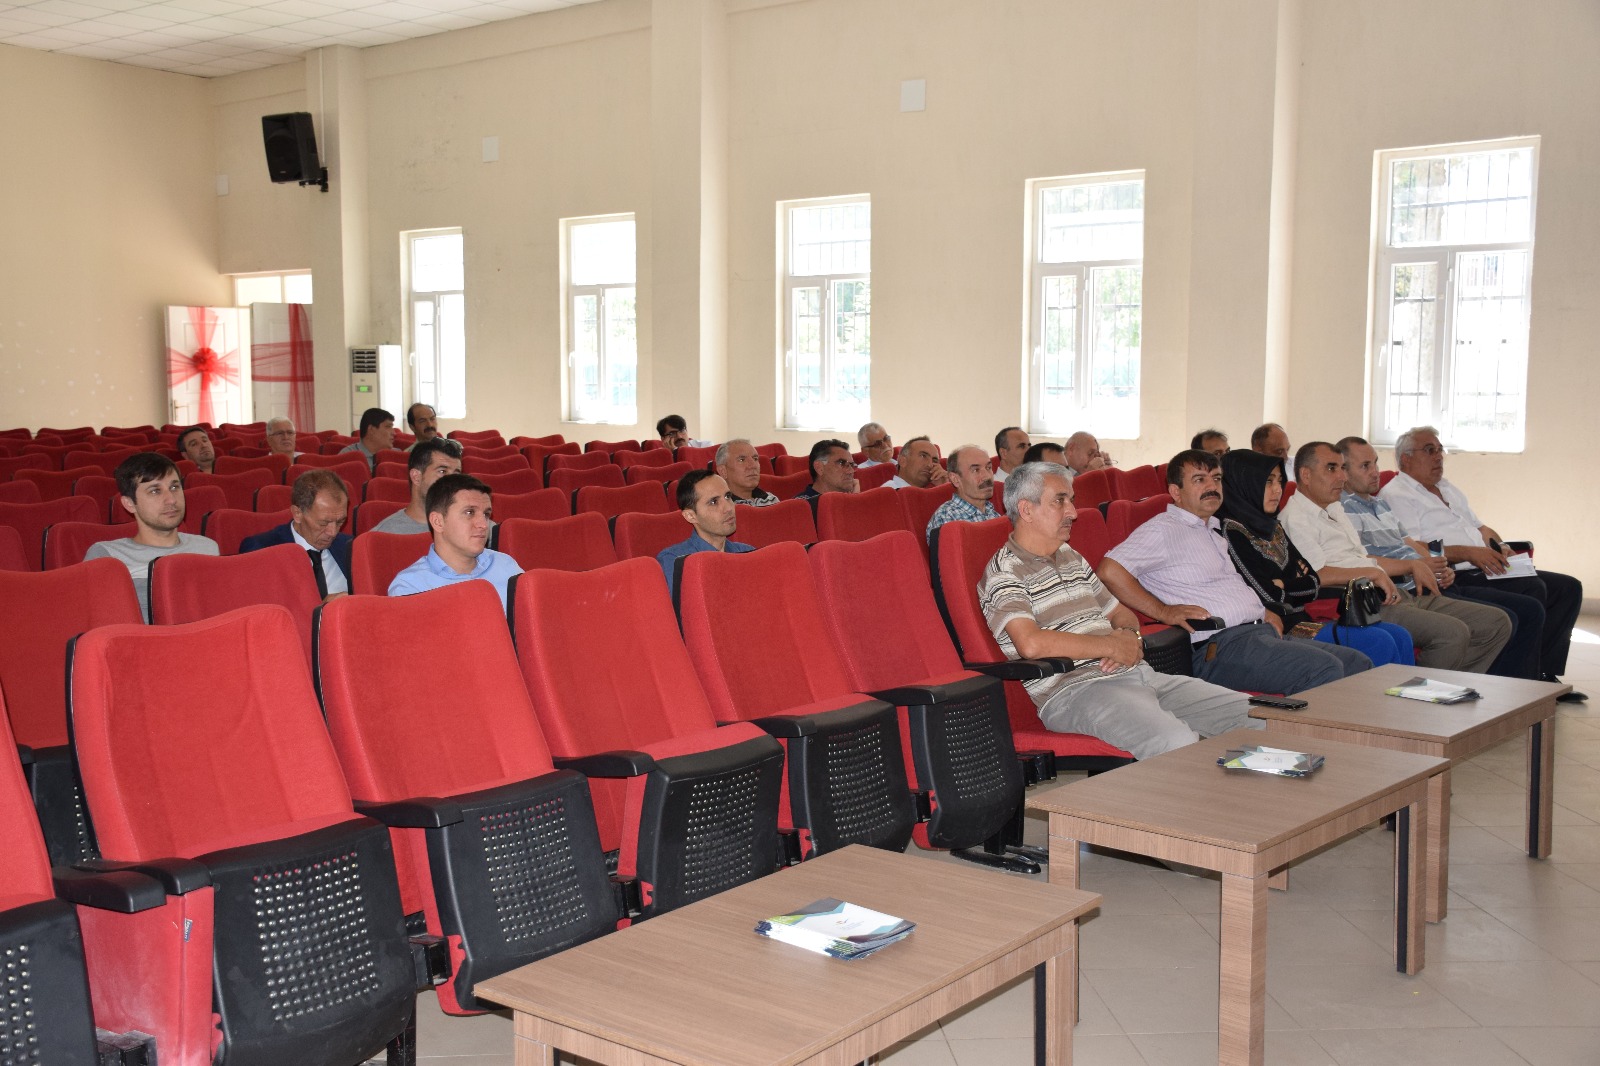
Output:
x=429 y=461
x=152 y=492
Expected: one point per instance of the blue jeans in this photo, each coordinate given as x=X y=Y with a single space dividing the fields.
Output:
x=1254 y=658
x=1382 y=642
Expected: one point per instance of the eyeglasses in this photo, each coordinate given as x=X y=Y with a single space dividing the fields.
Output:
x=848 y=464
x=882 y=442
x=1434 y=449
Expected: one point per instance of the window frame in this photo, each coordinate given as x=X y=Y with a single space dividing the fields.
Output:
x=433 y=394
x=830 y=414
x=576 y=409
x=1037 y=369
x=1446 y=259
x=280 y=276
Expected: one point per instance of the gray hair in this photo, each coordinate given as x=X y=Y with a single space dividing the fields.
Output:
x=275 y=419
x=863 y=433
x=1026 y=482
x=954 y=459
x=721 y=458
x=1406 y=443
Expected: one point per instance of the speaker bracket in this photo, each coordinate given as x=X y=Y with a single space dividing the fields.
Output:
x=321 y=181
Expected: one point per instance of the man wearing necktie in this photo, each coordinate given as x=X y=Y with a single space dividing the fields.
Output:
x=318 y=507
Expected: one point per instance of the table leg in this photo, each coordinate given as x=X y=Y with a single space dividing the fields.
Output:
x=1541 y=786
x=1242 y=990
x=533 y=1053
x=1437 y=856
x=1279 y=879
x=1410 y=882
x=1061 y=988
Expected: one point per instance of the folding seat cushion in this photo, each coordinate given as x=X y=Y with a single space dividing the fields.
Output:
x=652 y=457
x=229 y=526
x=30 y=520
x=55 y=484
x=514 y=482
x=240 y=489
x=234 y=464
x=636 y=475
x=755 y=630
x=576 y=543
x=205 y=759
x=203 y=586
x=472 y=464
x=953 y=721
x=959 y=553
x=576 y=461
x=33 y=667
x=638 y=535
x=66 y=543
x=541 y=504
x=858 y=515
x=690 y=807
x=376 y=558
x=647 y=498
x=505 y=860
x=788 y=520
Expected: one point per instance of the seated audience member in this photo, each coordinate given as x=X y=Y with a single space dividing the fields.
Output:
x=832 y=470
x=1010 y=444
x=1084 y=454
x=673 y=431
x=375 y=434
x=1210 y=440
x=738 y=464
x=424 y=423
x=1046 y=452
x=1175 y=569
x=318 y=506
x=428 y=461
x=194 y=444
x=707 y=506
x=918 y=466
x=1386 y=541
x=1432 y=509
x=149 y=488
x=1042 y=600
x=876 y=445
x=280 y=437
x=459 y=513
x=1449 y=634
x=1269 y=438
x=1265 y=556
x=974 y=484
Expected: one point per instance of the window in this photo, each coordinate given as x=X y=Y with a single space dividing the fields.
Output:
x=599 y=324
x=272 y=288
x=827 y=312
x=1086 y=299
x=435 y=274
x=1450 y=308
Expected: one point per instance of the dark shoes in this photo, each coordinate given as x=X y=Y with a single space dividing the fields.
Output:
x=1571 y=697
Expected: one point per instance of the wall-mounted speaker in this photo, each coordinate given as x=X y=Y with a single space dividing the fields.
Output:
x=291 y=144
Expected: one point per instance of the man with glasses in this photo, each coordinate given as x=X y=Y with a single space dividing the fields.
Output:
x=280 y=437
x=876 y=445
x=1432 y=509
x=832 y=470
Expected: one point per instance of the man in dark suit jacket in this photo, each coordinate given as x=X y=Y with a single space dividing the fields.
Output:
x=318 y=506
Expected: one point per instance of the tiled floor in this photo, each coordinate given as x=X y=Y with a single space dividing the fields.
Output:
x=1512 y=975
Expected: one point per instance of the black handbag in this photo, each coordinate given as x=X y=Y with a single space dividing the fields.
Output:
x=1359 y=603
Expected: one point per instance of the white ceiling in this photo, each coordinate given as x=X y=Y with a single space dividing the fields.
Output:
x=209 y=38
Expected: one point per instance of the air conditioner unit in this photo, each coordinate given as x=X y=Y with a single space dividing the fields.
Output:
x=375 y=381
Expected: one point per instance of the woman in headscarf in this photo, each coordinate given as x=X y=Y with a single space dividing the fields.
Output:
x=1252 y=491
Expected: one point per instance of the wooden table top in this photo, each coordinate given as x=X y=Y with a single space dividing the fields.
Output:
x=1184 y=793
x=1359 y=702
x=698 y=985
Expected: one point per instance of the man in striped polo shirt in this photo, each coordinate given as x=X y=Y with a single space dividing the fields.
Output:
x=1042 y=600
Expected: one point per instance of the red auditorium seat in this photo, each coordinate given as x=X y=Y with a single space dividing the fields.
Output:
x=512 y=464
x=697 y=457
x=65 y=543
x=786 y=486
x=917 y=507
x=542 y=504
x=572 y=480
x=673 y=791
x=858 y=515
x=638 y=475
x=337 y=458
x=27 y=461
x=638 y=535
x=486 y=437
x=653 y=457
x=1124 y=516
x=230 y=526
x=514 y=483
x=539 y=454
x=575 y=461
x=579 y=542
x=12 y=557
x=553 y=440
x=102 y=489
x=647 y=497
x=355 y=472
x=21 y=492
x=375 y=559
x=784 y=465
x=392 y=471
x=56 y=484
x=417 y=734
x=1090 y=537
x=1092 y=488
x=265 y=857
x=233 y=464
x=105 y=462
x=239 y=489
x=489 y=452
x=610 y=446
x=771 y=451
x=372 y=512
x=755 y=630
x=188 y=588
x=788 y=520
x=391 y=489
x=32 y=519
x=199 y=502
x=875 y=477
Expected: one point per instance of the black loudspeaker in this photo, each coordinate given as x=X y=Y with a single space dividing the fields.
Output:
x=291 y=145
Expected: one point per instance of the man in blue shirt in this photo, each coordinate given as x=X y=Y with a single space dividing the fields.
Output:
x=459 y=509
x=708 y=507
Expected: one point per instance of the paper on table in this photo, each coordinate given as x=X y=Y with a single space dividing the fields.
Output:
x=1429 y=691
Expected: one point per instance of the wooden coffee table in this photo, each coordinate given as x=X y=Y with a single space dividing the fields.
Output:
x=697 y=985
x=1183 y=807
x=1355 y=710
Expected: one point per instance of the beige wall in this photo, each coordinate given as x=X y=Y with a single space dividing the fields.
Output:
x=108 y=214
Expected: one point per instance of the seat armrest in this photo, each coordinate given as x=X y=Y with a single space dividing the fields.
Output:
x=176 y=876
x=1525 y=546
x=906 y=695
x=24 y=755
x=1016 y=669
x=786 y=726
x=610 y=764
x=416 y=812
x=122 y=891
